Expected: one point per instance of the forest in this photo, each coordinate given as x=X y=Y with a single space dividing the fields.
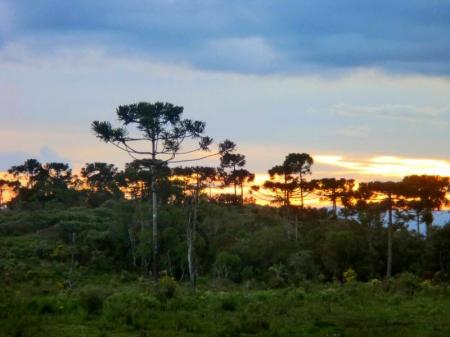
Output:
x=168 y=247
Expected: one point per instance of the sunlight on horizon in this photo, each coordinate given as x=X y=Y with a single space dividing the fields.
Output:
x=388 y=166
x=382 y=167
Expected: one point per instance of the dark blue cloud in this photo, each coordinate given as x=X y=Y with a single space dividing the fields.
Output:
x=248 y=36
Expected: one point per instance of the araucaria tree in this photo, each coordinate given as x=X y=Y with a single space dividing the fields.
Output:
x=287 y=181
x=425 y=194
x=281 y=186
x=7 y=186
x=232 y=172
x=158 y=136
x=194 y=180
x=300 y=163
x=332 y=189
x=390 y=193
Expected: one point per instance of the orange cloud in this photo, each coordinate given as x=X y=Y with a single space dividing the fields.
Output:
x=387 y=166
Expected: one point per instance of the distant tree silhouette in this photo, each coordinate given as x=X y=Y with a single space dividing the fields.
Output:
x=287 y=181
x=30 y=171
x=7 y=186
x=281 y=186
x=241 y=178
x=100 y=176
x=300 y=163
x=232 y=172
x=426 y=193
x=43 y=182
x=333 y=189
x=102 y=182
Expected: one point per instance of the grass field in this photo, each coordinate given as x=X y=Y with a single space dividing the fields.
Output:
x=113 y=306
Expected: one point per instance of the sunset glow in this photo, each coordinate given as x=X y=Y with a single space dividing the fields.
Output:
x=388 y=166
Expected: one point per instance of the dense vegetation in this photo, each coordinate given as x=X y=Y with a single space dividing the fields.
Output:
x=165 y=250
x=257 y=277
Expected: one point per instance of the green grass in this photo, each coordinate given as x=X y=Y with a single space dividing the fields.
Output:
x=41 y=296
x=133 y=309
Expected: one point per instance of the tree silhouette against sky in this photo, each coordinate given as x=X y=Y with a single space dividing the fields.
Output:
x=158 y=135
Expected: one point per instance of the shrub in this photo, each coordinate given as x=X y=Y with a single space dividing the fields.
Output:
x=329 y=296
x=297 y=294
x=255 y=325
x=229 y=303
x=129 y=307
x=349 y=275
x=166 y=288
x=227 y=266
x=406 y=283
x=303 y=265
x=92 y=298
x=277 y=276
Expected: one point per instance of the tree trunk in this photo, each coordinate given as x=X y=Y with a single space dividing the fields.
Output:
x=154 y=213
x=389 y=243
x=334 y=208
x=286 y=193
x=301 y=190
x=132 y=245
x=418 y=223
x=191 y=234
x=189 y=255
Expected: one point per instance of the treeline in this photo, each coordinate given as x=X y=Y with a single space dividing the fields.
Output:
x=166 y=216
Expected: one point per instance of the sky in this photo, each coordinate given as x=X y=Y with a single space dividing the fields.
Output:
x=362 y=86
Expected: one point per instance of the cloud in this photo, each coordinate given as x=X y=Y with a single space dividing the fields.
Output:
x=282 y=37
x=52 y=100
x=354 y=132
x=6 y=19
x=394 y=111
x=386 y=166
x=45 y=155
x=252 y=54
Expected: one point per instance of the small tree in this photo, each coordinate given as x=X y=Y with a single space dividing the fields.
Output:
x=43 y=182
x=159 y=135
x=426 y=194
x=300 y=163
x=29 y=171
x=232 y=172
x=284 y=185
x=101 y=178
x=7 y=186
x=195 y=180
x=333 y=189
x=389 y=194
x=281 y=185
x=242 y=177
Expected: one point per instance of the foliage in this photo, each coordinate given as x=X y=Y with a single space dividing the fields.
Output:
x=167 y=288
x=349 y=275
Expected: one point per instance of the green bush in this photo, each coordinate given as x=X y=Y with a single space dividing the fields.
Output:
x=229 y=303
x=405 y=283
x=349 y=275
x=297 y=294
x=92 y=299
x=227 y=266
x=130 y=307
x=166 y=288
x=277 y=276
